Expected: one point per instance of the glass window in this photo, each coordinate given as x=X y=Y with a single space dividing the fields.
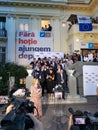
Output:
x=2 y=54
x=21 y=27
x=44 y=25
x=3 y=32
x=26 y=27
x=24 y=24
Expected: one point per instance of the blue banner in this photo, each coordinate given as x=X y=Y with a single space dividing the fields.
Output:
x=85 y=23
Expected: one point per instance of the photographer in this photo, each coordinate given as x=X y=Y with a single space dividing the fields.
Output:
x=71 y=125
x=20 y=112
x=18 y=93
x=37 y=124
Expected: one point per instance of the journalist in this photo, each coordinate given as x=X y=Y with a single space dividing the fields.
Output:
x=18 y=93
x=71 y=125
x=35 y=125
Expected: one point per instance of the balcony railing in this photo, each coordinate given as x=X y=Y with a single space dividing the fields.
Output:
x=3 y=33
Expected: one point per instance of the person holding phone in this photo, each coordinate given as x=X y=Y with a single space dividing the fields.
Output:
x=71 y=125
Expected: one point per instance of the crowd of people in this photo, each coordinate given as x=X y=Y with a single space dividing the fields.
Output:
x=50 y=72
x=54 y=71
x=84 y=57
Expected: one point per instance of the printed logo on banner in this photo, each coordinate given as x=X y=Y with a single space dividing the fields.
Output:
x=90 y=45
x=42 y=34
x=48 y=34
x=84 y=45
x=96 y=45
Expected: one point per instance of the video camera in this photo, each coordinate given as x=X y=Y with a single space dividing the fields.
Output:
x=84 y=119
x=17 y=118
x=78 y=120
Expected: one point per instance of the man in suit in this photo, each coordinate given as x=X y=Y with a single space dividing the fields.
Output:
x=61 y=79
x=49 y=27
x=42 y=79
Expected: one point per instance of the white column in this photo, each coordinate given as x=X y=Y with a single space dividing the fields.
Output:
x=10 y=54
x=56 y=35
x=35 y=24
x=64 y=45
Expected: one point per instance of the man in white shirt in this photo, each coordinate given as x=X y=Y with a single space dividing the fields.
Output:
x=90 y=56
x=19 y=92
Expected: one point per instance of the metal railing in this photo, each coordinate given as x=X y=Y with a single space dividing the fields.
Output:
x=3 y=33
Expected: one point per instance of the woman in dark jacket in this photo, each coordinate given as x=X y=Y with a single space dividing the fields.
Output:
x=50 y=84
